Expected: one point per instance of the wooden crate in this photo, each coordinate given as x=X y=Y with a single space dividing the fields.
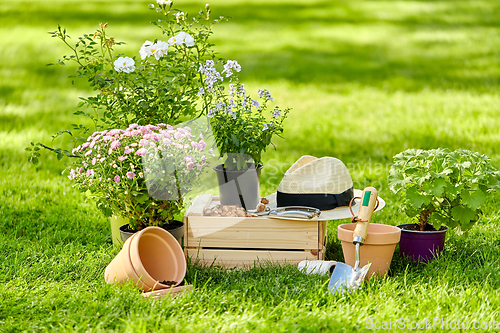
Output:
x=242 y=241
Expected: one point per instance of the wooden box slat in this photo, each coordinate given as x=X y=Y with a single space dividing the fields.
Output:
x=241 y=258
x=252 y=232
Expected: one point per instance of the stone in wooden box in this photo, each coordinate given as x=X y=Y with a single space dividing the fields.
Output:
x=243 y=241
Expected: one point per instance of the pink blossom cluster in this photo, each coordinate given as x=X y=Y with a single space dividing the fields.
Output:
x=116 y=156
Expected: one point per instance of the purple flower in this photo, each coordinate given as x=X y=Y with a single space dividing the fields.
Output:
x=130 y=175
x=122 y=158
x=190 y=165
x=201 y=91
x=277 y=113
x=141 y=151
x=265 y=127
x=188 y=159
x=255 y=103
x=117 y=179
x=128 y=151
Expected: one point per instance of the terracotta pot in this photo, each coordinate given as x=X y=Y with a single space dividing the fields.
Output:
x=239 y=187
x=176 y=228
x=116 y=223
x=421 y=246
x=148 y=258
x=378 y=248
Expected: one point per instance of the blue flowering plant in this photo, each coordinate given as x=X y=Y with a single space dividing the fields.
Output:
x=243 y=127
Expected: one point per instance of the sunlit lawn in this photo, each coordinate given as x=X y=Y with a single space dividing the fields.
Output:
x=365 y=79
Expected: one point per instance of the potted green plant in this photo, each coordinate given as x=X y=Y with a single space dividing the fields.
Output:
x=141 y=173
x=441 y=189
x=243 y=128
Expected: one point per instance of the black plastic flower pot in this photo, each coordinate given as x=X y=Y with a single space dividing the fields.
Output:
x=239 y=187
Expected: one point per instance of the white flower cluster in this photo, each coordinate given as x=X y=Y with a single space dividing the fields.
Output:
x=182 y=38
x=124 y=64
x=158 y=49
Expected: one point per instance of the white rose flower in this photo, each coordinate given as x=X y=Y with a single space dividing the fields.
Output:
x=182 y=38
x=145 y=49
x=175 y=40
x=124 y=64
x=180 y=16
x=161 y=49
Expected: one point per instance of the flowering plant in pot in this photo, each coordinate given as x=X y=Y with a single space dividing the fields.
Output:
x=159 y=84
x=243 y=127
x=140 y=173
x=441 y=189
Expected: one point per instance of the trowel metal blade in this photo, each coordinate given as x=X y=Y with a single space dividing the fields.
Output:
x=344 y=277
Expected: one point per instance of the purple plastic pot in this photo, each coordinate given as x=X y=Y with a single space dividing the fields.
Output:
x=421 y=246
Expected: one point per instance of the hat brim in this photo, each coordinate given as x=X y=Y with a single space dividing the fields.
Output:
x=338 y=213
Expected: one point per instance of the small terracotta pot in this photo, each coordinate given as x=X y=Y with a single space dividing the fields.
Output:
x=148 y=258
x=378 y=248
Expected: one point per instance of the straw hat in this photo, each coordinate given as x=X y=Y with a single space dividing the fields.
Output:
x=323 y=183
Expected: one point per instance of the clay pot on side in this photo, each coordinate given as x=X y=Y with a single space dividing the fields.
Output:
x=176 y=228
x=152 y=258
x=421 y=246
x=378 y=248
x=240 y=188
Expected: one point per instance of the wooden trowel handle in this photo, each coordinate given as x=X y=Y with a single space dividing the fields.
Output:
x=368 y=202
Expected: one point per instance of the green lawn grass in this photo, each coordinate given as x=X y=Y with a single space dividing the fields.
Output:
x=365 y=79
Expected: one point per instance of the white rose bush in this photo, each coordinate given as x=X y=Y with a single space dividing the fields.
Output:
x=158 y=84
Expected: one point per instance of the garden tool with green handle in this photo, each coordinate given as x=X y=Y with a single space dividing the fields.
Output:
x=345 y=277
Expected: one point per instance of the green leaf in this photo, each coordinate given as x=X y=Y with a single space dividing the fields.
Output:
x=235 y=139
x=463 y=214
x=437 y=220
x=417 y=200
x=438 y=187
x=60 y=156
x=473 y=199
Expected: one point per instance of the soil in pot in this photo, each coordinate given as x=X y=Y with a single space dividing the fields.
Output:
x=239 y=187
x=421 y=246
x=176 y=228
x=416 y=227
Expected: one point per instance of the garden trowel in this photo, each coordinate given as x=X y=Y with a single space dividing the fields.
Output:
x=345 y=277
